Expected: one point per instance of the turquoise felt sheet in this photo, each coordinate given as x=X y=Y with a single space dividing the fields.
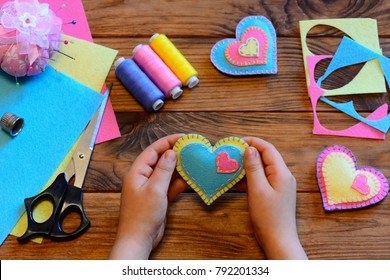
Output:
x=55 y=109
x=349 y=53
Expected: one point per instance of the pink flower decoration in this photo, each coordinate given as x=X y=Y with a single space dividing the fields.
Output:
x=29 y=34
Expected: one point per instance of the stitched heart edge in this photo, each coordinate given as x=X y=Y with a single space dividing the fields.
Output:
x=242 y=42
x=384 y=188
x=246 y=70
x=197 y=138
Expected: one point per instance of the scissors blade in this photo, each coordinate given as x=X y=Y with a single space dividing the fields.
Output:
x=83 y=152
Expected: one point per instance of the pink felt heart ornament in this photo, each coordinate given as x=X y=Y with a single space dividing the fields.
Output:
x=344 y=185
x=250 y=50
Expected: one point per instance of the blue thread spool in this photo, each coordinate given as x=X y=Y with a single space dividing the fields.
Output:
x=139 y=84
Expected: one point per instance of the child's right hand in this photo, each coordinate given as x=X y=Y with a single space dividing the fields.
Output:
x=272 y=201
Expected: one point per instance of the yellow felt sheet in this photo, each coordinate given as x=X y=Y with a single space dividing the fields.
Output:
x=364 y=31
x=90 y=67
x=91 y=63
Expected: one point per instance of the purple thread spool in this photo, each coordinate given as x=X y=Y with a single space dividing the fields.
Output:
x=157 y=71
x=139 y=84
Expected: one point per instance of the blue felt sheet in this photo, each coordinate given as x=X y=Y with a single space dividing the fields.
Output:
x=55 y=109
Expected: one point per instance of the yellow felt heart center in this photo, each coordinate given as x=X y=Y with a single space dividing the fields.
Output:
x=250 y=48
x=340 y=177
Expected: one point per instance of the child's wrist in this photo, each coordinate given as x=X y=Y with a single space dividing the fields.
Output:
x=287 y=246
x=131 y=247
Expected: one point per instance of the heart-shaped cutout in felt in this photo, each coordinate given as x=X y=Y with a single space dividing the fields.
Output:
x=252 y=52
x=345 y=186
x=210 y=170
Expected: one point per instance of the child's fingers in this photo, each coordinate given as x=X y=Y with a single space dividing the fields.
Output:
x=143 y=166
x=254 y=170
x=269 y=154
x=177 y=187
x=152 y=153
x=163 y=171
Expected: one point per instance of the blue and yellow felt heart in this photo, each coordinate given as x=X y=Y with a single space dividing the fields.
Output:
x=252 y=52
x=210 y=170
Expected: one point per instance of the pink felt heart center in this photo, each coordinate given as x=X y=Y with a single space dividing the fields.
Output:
x=360 y=184
x=250 y=50
x=225 y=164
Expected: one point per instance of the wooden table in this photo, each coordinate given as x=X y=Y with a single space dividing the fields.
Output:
x=273 y=107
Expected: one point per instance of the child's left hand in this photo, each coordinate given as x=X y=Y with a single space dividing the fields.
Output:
x=147 y=188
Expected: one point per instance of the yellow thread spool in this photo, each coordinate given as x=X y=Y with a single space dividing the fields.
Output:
x=175 y=60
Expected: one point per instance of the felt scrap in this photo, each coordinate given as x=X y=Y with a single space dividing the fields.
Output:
x=344 y=185
x=199 y=163
x=84 y=68
x=55 y=109
x=350 y=52
x=74 y=10
x=363 y=31
x=252 y=52
x=345 y=57
x=360 y=130
x=382 y=124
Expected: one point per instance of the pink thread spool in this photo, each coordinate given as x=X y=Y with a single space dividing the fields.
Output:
x=157 y=71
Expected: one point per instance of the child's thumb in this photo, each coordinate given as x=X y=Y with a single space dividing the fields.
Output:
x=163 y=171
x=254 y=169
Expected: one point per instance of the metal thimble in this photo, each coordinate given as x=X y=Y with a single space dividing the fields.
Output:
x=11 y=123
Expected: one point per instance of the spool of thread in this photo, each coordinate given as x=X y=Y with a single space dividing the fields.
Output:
x=157 y=71
x=139 y=84
x=175 y=60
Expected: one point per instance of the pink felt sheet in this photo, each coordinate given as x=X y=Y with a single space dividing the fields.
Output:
x=360 y=130
x=74 y=10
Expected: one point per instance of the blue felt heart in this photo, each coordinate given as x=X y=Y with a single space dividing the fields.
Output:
x=208 y=169
x=220 y=56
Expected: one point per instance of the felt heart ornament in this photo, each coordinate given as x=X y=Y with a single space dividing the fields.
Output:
x=252 y=52
x=345 y=186
x=210 y=170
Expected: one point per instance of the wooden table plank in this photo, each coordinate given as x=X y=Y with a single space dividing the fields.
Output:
x=222 y=231
x=275 y=107
x=287 y=88
x=218 y=18
x=289 y=132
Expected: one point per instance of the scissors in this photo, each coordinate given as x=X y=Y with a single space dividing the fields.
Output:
x=66 y=198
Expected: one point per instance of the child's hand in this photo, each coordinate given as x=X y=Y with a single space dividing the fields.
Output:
x=147 y=188
x=272 y=201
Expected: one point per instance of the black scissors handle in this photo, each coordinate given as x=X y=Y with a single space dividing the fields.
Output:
x=66 y=199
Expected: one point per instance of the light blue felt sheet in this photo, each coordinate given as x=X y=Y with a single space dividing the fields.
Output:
x=349 y=53
x=55 y=109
